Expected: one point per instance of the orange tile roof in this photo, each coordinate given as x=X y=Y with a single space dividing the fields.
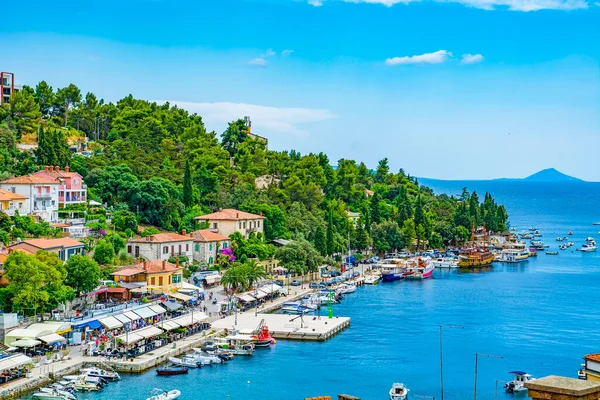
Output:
x=148 y=267
x=593 y=357
x=229 y=214
x=32 y=179
x=162 y=238
x=5 y=195
x=58 y=174
x=52 y=243
x=207 y=236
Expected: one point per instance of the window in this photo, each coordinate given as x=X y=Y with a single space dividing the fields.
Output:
x=197 y=246
x=179 y=249
x=129 y=249
x=160 y=281
x=152 y=281
x=214 y=225
x=187 y=247
x=13 y=189
x=166 y=250
x=240 y=224
x=258 y=224
x=20 y=205
x=172 y=249
x=176 y=278
x=244 y=224
x=210 y=260
x=210 y=247
x=224 y=245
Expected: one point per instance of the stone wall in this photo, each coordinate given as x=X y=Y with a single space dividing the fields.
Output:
x=561 y=388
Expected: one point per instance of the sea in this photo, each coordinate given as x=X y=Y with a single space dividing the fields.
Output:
x=541 y=316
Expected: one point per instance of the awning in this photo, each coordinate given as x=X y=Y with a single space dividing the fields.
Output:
x=148 y=332
x=129 y=338
x=26 y=343
x=131 y=315
x=20 y=333
x=110 y=322
x=259 y=294
x=122 y=318
x=52 y=327
x=272 y=287
x=94 y=324
x=212 y=279
x=246 y=298
x=172 y=306
x=15 y=361
x=144 y=312
x=180 y=296
x=189 y=286
x=187 y=320
x=157 y=309
x=52 y=338
x=168 y=325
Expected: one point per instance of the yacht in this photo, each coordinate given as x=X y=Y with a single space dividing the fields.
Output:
x=538 y=245
x=398 y=392
x=346 y=288
x=294 y=307
x=101 y=373
x=391 y=272
x=185 y=361
x=588 y=247
x=53 y=393
x=445 y=262
x=518 y=383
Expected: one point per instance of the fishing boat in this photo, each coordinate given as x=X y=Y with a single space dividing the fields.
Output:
x=261 y=336
x=420 y=269
x=158 y=394
x=172 y=370
x=371 y=279
x=53 y=393
x=518 y=383
x=514 y=256
x=398 y=392
x=185 y=361
x=102 y=373
x=390 y=272
x=445 y=262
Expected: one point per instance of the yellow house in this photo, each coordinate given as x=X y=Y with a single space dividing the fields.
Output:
x=159 y=275
x=11 y=202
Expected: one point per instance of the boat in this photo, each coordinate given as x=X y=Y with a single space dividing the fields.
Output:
x=445 y=262
x=419 y=270
x=295 y=308
x=563 y=246
x=474 y=256
x=398 y=392
x=158 y=394
x=552 y=253
x=538 y=245
x=185 y=361
x=582 y=374
x=588 y=248
x=559 y=239
x=239 y=345
x=514 y=256
x=596 y=223
x=203 y=358
x=172 y=370
x=53 y=393
x=86 y=385
x=526 y=235
x=102 y=373
x=532 y=252
x=518 y=383
x=570 y=233
x=391 y=270
x=345 y=288
x=261 y=336
x=371 y=279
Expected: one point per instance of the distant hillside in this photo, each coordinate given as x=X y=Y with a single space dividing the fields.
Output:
x=551 y=175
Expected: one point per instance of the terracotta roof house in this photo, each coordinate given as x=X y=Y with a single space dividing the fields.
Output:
x=229 y=221
x=71 y=190
x=11 y=202
x=159 y=275
x=41 y=193
x=64 y=247
x=207 y=245
x=161 y=246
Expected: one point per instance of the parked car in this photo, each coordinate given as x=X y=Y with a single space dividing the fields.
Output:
x=296 y=282
x=314 y=285
x=335 y=273
x=278 y=283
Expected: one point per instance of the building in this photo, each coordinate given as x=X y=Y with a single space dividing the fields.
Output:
x=253 y=135
x=158 y=275
x=162 y=246
x=7 y=87
x=353 y=217
x=71 y=189
x=369 y=193
x=207 y=245
x=11 y=202
x=228 y=221
x=64 y=247
x=264 y=181
x=41 y=193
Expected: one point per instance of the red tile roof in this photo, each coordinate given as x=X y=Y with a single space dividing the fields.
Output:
x=5 y=195
x=149 y=267
x=162 y=238
x=229 y=214
x=57 y=174
x=207 y=236
x=32 y=179
x=52 y=243
x=593 y=357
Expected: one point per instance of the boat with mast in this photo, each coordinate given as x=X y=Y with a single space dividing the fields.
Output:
x=473 y=255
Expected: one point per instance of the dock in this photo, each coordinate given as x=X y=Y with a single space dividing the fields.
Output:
x=285 y=326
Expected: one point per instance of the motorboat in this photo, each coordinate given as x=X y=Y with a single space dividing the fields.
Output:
x=514 y=256
x=398 y=392
x=391 y=272
x=532 y=252
x=85 y=384
x=185 y=361
x=596 y=223
x=526 y=235
x=346 y=288
x=102 y=373
x=445 y=262
x=588 y=247
x=552 y=253
x=53 y=393
x=419 y=270
x=200 y=354
x=582 y=374
x=563 y=246
x=538 y=245
x=158 y=394
x=371 y=279
x=239 y=345
x=559 y=239
x=294 y=307
x=172 y=370
x=570 y=233
x=518 y=383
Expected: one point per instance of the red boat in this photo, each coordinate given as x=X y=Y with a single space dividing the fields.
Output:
x=421 y=270
x=263 y=337
x=167 y=371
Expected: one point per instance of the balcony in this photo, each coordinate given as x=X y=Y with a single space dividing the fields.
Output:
x=251 y=230
x=42 y=196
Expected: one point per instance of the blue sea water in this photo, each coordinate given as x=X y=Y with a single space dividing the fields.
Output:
x=541 y=316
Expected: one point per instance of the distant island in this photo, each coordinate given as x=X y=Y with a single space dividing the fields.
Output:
x=545 y=175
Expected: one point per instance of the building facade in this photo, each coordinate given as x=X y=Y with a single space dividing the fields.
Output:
x=71 y=189
x=207 y=245
x=41 y=193
x=158 y=275
x=11 y=202
x=7 y=87
x=65 y=248
x=161 y=246
x=229 y=221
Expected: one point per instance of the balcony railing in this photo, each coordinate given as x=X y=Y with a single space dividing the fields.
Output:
x=42 y=196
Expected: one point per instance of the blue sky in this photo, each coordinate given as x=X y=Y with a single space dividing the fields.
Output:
x=445 y=89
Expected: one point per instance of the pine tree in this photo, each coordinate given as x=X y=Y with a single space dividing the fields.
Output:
x=361 y=240
x=375 y=215
x=187 y=185
x=404 y=207
x=330 y=239
x=321 y=240
x=419 y=213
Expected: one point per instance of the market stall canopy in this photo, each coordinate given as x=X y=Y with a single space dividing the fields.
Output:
x=271 y=288
x=93 y=324
x=187 y=320
x=26 y=343
x=110 y=322
x=149 y=332
x=157 y=309
x=52 y=338
x=122 y=318
x=212 y=279
x=259 y=294
x=188 y=286
x=22 y=333
x=180 y=296
x=144 y=312
x=53 y=327
x=172 y=306
x=246 y=298
x=16 y=361
x=168 y=325
x=129 y=338
x=131 y=315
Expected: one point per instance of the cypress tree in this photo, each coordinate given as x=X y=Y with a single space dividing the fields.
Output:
x=320 y=240
x=187 y=185
x=330 y=240
x=375 y=215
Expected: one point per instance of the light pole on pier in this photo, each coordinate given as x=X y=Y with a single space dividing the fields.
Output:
x=477 y=355
x=442 y=327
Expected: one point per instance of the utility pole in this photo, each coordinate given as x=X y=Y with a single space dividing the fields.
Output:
x=477 y=355
x=442 y=327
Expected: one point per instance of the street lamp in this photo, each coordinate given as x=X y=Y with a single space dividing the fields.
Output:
x=442 y=327
x=477 y=355
x=496 y=393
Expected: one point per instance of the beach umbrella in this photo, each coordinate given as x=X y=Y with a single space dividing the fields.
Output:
x=26 y=343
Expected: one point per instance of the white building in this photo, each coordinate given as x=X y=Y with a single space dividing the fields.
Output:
x=41 y=193
x=162 y=246
x=207 y=245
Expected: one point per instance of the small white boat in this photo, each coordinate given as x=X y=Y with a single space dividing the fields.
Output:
x=371 y=279
x=588 y=248
x=203 y=356
x=596 y=223
x=445 y=262
x=84 y=384
x=398 y=392
x=294 y=307
x=158 y=394
x=518 y=383
x=53 y=393
x=185 y=361
x=581 y=374
x=102 y=373
x=346 y=288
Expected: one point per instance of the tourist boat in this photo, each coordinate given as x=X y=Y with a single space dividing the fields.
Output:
x=53 y=393
x=518 y=383
x=158 y=394
x=474 y=257
x=552 y=253
x=371 y=279
x=172 y=370
x=420 y=269
x=398 y=392
x=185 y=361
x=445 y=262
x=101 y=373
x=514 y=256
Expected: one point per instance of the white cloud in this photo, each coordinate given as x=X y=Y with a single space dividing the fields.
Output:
x=437 y=57
x=513 y=5
x=286 y=53
x=265 y=119
x=258 y=61
x=471 y=58
x=270 y=53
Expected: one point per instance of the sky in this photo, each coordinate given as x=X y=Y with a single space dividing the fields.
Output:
x=447 y=89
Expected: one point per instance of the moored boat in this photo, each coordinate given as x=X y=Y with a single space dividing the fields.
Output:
x=445 y=262
x=398 y=392
x=420 y=269
x=185 y=361
x=514 y=256
x=173 y=370
x=391 y=272
x=518 y=383
x=102 y=373
x=158 y=394
x=53 y=393
x=371 y=279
